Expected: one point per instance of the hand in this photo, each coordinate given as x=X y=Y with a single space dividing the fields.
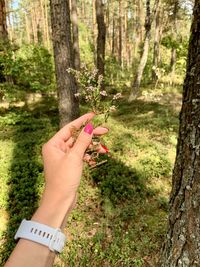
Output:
x=63 y=160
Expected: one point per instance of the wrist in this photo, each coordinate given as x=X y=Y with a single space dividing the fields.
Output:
x=52 y=211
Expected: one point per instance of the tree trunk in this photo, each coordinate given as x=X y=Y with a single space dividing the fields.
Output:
x=144 y=56
x=34 y=24
x=63 y=56
x=3 y=25
x=174 y=36
x=101 y=38
x=44 y=34
x=183 y=237
x=47 y=23
x=173 y=60
x=75 y=34
x=120 y=34
x=94 y=31
x=156 y=47
x=113 y=37
x=28 y=32
x=143 y=60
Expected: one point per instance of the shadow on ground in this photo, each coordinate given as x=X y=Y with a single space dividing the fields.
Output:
x=28 y=129
x=151 y=116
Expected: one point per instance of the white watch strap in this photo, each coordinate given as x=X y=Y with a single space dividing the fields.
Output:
x=43 y=234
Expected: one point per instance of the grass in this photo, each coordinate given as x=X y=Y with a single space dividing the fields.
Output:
x=121 y=213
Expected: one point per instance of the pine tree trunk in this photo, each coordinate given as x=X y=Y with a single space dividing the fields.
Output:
x=174 y=36
x=94 y=31
x=3 y=25
x=28 y=34
x=34 y=24
x=183 y=237
x=101 y=38
x=113 y=37
x=120 y=34
x=63 y=56
x=156 y=47
x=47 y=23
x=44 y=35
x=173 y=60
x=75 y=34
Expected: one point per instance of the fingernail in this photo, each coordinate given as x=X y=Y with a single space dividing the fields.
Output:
x=88 y=128
x=106 y=128
x=105 y=148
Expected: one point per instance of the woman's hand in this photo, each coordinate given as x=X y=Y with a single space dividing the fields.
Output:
x=63 y=163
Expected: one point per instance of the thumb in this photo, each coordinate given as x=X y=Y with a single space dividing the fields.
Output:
x=83 y=141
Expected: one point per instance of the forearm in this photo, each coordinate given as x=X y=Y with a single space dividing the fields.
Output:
x=29 y=253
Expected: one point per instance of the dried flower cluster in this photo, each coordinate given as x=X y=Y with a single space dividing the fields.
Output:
x=98 y=100
x=90 y=84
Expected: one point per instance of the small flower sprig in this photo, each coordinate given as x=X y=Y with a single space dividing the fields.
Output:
x=98 y=100
x=90 y=84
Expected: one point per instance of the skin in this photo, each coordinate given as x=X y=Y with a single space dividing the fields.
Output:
x=63 y=165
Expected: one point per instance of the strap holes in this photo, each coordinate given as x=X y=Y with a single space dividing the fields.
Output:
x=35 y=231
x=40 y=232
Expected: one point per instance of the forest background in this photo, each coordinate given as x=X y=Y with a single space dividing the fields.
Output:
x=120 y=219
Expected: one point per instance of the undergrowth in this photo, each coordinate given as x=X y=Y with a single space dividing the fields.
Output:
x=122 y=208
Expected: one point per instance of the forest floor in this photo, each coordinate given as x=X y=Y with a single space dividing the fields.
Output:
x=121 y=214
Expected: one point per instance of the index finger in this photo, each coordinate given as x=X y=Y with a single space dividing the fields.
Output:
x=64 y=133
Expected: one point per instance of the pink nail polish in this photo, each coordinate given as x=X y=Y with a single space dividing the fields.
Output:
x=88 y=128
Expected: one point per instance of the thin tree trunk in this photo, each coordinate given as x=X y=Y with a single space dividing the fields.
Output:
x=3 y=25
x=181 y=247
x=126 y=36
x=101 y=39
x=174 y=36
x=83 y=10
x=143 y=60
x=156 y=46
x=28 y=34
x=63 y=56
x=34 y=24
x=113 y=37
x=120 y=34
x=74 y=19
x=47 y=23
x=44 y=35
x=94 y=30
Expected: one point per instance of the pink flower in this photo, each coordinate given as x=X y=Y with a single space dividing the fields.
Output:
x=88 y=97
x=103 y=93
x=117 y=96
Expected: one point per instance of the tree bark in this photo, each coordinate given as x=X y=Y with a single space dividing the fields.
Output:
x=156 y=46
x=101 y=38
x=174 y=36
x=143 y=60
x=3 y=25
x=181 y=247
x=113 y=37
x=75 y=34
x=47 y=23
x=63 y=56
x=120 y=33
